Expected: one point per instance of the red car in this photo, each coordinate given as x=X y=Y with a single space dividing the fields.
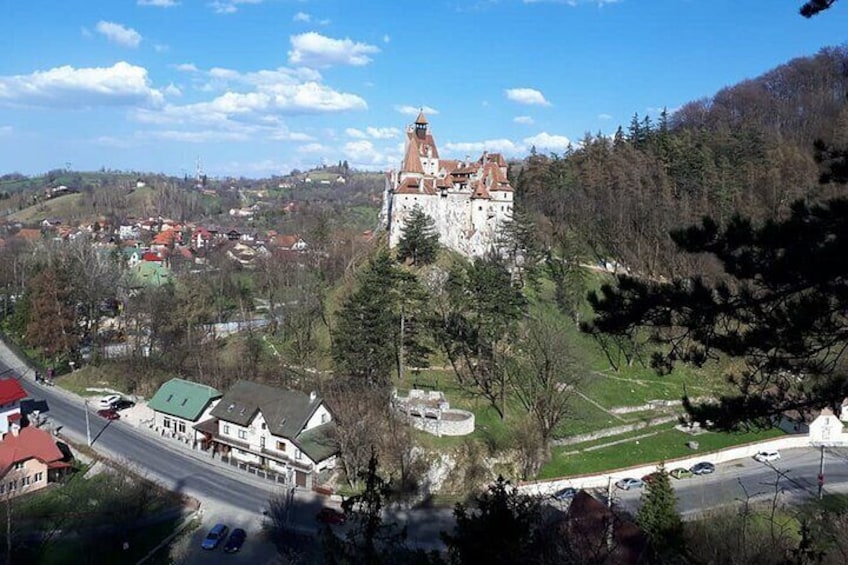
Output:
x=109 y=414
x=330 y=516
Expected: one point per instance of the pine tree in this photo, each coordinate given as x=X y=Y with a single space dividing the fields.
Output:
x=419 y=240
x=658 y=516
x=364 y=338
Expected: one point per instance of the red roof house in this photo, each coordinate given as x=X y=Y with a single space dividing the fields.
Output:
x=29 y=460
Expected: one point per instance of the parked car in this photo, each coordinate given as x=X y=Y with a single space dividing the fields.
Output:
x=107 y=401
x=109 y=414
x=702 y=468
x=767 y=456
x=629 y=483
x=123 y=404
x=235 y=541
x=214 y=537
x=330 y=516
x=681 y=473
x=564 y=494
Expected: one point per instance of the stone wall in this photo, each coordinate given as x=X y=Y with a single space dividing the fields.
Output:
x=453 y=422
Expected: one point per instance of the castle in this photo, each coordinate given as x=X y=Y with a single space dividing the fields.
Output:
x=469 y=201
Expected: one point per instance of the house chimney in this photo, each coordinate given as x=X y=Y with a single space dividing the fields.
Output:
x=15 y=429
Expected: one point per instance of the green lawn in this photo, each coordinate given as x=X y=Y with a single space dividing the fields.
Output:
x=668 y=443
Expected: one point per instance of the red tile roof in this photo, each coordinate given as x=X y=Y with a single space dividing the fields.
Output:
x=28 y=444
x=10 y=391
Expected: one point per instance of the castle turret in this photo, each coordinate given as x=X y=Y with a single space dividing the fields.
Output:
x=421 y=125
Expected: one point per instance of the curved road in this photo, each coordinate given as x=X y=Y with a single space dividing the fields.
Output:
x=234 y=493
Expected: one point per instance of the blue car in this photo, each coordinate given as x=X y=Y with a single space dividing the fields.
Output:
x=214 y=537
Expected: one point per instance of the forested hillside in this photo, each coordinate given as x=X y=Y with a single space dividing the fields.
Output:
x=749 y=149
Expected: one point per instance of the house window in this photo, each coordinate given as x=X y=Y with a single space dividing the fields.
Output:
x=298 y=455
x=263 y=425
x=324 y=418
x=281 y=446
x=19 y=466
x=25 y=481
x=2 y=488
x=181 y=427
x=38 y=477
x=242 y=434
x=226 y=429
x=13 y=484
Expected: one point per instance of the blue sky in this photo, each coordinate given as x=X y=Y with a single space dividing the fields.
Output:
x=258 y=87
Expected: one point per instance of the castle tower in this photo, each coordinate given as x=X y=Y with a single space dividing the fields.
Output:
x=421 y=126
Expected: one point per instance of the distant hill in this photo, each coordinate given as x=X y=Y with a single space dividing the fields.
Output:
x=749 y=149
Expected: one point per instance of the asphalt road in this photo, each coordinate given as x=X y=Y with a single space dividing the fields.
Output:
x=234 y=497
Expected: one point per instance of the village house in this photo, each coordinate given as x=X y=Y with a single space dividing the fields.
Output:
x=469 y=201
x=29 y=460
x=11 y=394
x=179 y=404
x=284 y=431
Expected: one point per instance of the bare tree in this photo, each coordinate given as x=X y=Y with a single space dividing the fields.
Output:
x=544 y=373
x=361 y=412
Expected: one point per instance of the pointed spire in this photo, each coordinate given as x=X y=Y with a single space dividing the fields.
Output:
x=421 y=119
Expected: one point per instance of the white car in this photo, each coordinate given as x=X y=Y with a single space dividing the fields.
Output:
x=767 y=456
x=107 y=401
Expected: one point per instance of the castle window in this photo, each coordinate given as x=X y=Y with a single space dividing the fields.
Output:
x=479 y=207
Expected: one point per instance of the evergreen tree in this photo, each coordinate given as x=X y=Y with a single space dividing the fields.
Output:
x=780 y=308
x=658 y=516
x=364 y=338
x=419 y=240
x=503 y=530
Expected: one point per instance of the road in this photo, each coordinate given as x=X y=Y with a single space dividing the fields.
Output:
x=236 y=498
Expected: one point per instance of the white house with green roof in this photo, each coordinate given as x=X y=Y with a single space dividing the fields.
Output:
x=285 y=431
x=180 y=404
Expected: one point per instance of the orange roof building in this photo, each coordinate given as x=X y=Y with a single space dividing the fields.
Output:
x=468 y=200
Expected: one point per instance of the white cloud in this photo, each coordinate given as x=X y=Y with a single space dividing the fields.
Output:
x=69 y=87
x=604 y=117
x=230 y=6
x=197 y=136
x=373 y=133
x=161 y=48
x=364 y=152
x=186 y=68
x=526 y=96
x=159 y=3
x=413 y=110
x=312 y=148
x=498 y=145
x=172 y=90
x=312 y=49
x=85 y=32
x=302 y=17
x=382 y=133
x=258 y=108
x=526 y=120
x=386 y=38
x=547 y=141
x=117 y=33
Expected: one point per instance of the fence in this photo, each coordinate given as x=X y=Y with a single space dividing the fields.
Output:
x=254 y=470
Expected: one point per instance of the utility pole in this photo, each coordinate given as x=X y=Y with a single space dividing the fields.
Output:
x=821 y=473
x=87 y=425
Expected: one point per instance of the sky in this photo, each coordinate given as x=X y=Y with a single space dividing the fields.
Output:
x=259 y=87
